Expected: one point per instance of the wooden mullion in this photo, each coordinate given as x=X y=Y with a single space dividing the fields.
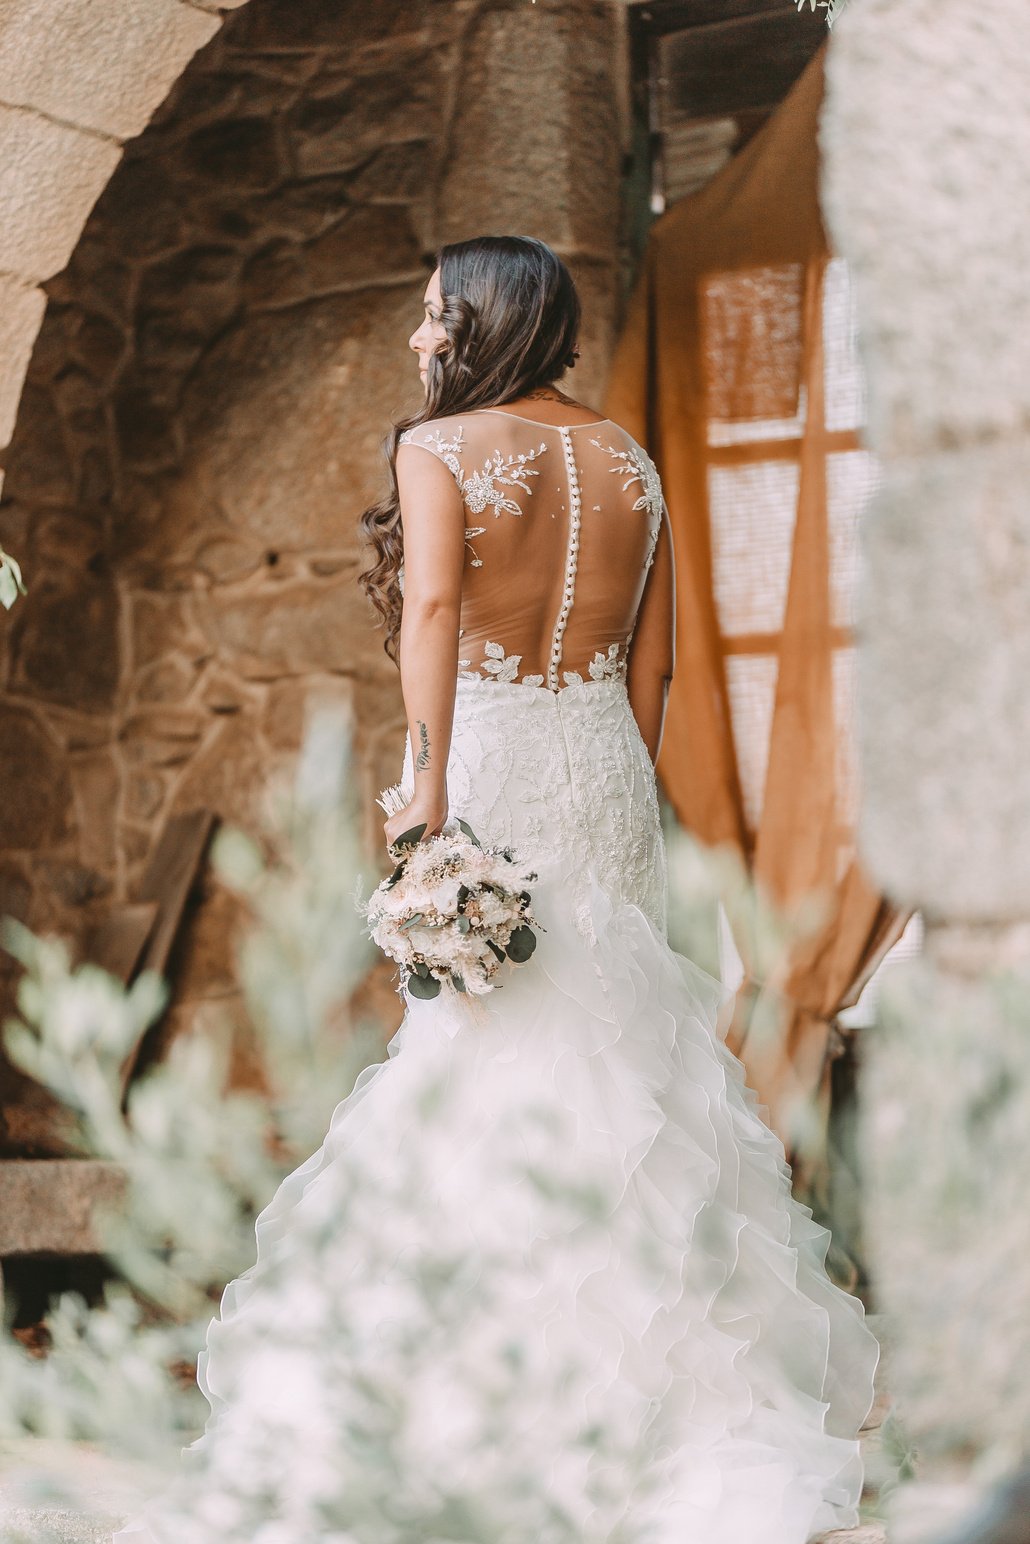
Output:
x=769 y=643
x=786 y=449
x=660 y=16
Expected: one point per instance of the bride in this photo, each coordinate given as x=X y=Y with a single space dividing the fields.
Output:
x=523 y=571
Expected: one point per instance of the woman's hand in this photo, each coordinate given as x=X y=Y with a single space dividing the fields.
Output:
x=423 y=808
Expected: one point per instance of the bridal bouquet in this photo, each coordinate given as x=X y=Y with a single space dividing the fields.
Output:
x=452 y=911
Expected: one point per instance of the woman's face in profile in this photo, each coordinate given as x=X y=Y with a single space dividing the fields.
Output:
x=429 y=336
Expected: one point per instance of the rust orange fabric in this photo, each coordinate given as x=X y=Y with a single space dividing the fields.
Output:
x=721 y=372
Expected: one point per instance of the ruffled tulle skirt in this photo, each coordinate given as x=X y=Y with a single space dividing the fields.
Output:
x=680 y=1367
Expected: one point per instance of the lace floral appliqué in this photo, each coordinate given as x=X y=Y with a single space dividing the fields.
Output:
x=636 y=466
x=505 y=667
x=501 y=666
x=480 y=491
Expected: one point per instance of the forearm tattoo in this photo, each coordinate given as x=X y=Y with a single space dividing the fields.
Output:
x=422 y=759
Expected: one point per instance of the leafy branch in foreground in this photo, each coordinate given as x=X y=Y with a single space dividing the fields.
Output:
x=833 y=8
x=352 y=1417
x=11 y=585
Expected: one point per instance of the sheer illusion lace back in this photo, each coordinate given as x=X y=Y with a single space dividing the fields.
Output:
x=561 y=526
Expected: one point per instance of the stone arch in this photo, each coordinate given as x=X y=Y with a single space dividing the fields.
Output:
x=203 y=407
x=75 y=85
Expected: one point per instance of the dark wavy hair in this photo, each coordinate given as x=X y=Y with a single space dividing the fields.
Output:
x=511 y=314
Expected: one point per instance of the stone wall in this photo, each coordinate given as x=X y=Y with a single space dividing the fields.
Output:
x=203 y=412
x=925 y=138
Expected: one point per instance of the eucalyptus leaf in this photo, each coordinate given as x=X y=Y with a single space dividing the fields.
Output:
x=425 y=987
x=410 y=838
x=422 y=969
x=458 y=982
x=411 y=921
x=496 y=949
x=463 y=825
x=521 y=944
x=464 y=925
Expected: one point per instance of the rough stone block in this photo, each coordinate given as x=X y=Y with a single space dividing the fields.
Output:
x=944 y=683
x=229 y=772
x=96 y=784
x=105 y=67
x=34 y=809
x=302 y=627
x=377 y=240
x=327 y=376
x=551 y=75
x=66 y=644
x=50 y=178
x=925 y=139
x=21 y=312
x=39 y=469
x=50 y=1205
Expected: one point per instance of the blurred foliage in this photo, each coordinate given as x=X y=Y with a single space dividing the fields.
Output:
x=943 y=1122
x=833 y=8
x=338 y=1457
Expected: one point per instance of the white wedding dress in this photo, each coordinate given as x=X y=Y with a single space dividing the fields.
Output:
x=692 y=1319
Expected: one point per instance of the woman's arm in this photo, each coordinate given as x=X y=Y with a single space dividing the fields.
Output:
x=652 y=651
x=433 y=524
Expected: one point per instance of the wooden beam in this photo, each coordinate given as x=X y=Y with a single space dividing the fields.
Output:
x=659 y=16
x=730 y=65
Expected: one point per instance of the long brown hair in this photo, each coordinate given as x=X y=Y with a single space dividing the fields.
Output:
x=511 y=315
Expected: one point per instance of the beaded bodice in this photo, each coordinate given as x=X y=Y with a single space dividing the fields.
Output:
x=561 y=526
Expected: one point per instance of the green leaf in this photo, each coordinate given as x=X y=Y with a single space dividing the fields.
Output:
x=11 y=585
x=521 y=944
x=425 y=987
x=410 y=838
x=411 y=921
x=463 y=825
x=458 y=982
x=422 y=969
x=496 y=949
x=464 y=924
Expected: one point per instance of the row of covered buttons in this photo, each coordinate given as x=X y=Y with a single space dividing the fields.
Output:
x=571 y=559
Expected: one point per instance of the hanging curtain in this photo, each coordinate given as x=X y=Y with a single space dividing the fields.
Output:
x=736 y=369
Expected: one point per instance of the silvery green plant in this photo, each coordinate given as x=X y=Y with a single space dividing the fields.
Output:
x=700 y=879
x=200 y=1160
x=389 y=1383
x=944 y=1117
x=11 y=585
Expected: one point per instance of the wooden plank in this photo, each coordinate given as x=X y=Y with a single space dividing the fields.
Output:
x=659 y=16
x=118 y=942
x=787 y=448
x=769 y=643
x=169 y=876
x=167 y=882
x=729 y=66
